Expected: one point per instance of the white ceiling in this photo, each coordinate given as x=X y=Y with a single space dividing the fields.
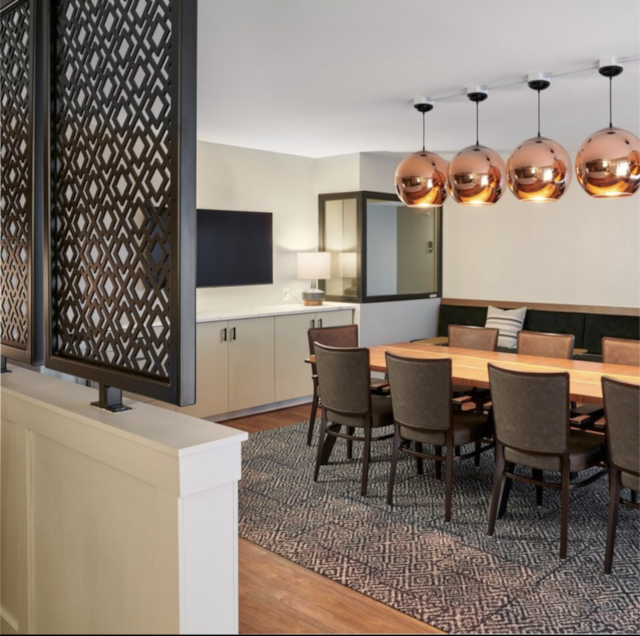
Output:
x=328 y=77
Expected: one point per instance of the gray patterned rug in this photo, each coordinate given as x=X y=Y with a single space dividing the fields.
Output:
x=452 y=576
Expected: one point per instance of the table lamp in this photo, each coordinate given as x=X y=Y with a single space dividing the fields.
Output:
x=314 y=266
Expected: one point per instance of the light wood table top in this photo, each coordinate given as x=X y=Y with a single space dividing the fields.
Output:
x=470 y=367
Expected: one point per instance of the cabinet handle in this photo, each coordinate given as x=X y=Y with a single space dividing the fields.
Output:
x=224 y=335
x=313 y=324
x=320 y=323
x=233 y=333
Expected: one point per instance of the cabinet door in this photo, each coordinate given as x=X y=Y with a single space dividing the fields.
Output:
x=334 y=318
x=212 y=370
x=251 y=363
x=293 y=374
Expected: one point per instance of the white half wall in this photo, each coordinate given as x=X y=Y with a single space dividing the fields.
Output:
x=577 y=250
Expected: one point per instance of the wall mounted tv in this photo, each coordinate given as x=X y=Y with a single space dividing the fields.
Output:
x=234 y=248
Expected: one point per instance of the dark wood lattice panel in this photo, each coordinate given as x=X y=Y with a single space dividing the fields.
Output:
x=112 y=171
x=15 y=184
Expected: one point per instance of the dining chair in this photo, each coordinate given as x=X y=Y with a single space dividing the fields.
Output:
x=342 y=336
x=423 y=414
x=614 y=351
x=347 y=400
x=531 y=419
x=548 y=345
x=622 y=409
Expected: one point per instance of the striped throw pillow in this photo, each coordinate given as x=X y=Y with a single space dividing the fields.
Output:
x=508 y=322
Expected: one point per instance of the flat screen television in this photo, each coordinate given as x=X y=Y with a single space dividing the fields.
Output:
x=234 y=248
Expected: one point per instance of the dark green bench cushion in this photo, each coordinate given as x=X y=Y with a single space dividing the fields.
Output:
x=557 y=322
x=459 y=315
x=597 y=326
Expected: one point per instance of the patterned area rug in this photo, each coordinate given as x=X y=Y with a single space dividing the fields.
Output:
x=452 y=576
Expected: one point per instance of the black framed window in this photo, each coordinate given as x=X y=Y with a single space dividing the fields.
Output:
x=381 y=249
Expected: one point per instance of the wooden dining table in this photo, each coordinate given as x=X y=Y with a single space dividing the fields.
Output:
x=470 y=367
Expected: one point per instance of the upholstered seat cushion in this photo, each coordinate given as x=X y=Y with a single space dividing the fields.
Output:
x=630 y=481
x=585 y=450
x=382 y=414
x=467 y=428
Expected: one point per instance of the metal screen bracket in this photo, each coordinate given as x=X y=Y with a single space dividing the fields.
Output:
x=110 y=399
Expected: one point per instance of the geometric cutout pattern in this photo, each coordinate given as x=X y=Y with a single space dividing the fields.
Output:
x=449 y=575
x=15 y=185
x=111 y=182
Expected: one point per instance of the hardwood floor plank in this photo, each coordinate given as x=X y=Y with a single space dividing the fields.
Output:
x=278 y=596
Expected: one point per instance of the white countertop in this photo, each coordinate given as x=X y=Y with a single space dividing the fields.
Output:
x=214 y=315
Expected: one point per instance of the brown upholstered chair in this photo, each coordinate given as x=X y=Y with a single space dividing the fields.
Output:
x=622 y=407
x=531 y=419
x=614 y=351
x=343 y=336
x=423 y=414
x=548 y=345
x=480 y=338
x=343 y=374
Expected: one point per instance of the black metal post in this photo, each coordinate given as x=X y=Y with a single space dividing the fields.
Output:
x=110 y=399
x=3 y=365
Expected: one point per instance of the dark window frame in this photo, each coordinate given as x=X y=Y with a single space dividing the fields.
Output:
x=362 y=196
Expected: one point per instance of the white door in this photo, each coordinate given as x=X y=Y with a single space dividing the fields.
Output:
x=293 y=374
x=251 y=363
x=212 y=370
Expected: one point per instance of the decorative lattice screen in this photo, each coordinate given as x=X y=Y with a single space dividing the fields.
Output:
x=117 y=218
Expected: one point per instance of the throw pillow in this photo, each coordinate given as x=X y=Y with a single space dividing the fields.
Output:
x=508 y=322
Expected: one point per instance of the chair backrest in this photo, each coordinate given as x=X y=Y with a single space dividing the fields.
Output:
x=481 y=338
x=549 y=345
x=622 y=410
x=345 y=378
x=621 y=351
x=344 y=336
x=421 y=391
x=531 y=410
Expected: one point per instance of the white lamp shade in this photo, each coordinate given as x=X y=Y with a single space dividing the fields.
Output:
x=314 y=265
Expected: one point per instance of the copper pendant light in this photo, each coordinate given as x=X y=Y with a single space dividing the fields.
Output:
x=421 y=177
x=539 y=169
x=476 y=173
x=608 y=162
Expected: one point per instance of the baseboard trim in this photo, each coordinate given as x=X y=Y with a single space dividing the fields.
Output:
x=264 y=408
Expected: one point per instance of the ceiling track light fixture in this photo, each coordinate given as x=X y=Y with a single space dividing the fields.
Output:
x=421 y=177
x=539 y=169
x=477 y=173
x=608 y=162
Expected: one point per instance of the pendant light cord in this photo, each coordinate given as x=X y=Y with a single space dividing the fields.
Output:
x=610 y=102
x=538 y=112
x=477 y=122
x=423 y=146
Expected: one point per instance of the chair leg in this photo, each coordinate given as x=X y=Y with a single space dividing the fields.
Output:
x=564 y=514
x=614 y=506
x=321 y=439
x=457 y=451
x=350 y=431
x=419 y=460
x=365 y=460
x=438 y=464
x=448 y=483
x=477 y=456
x=505 y=492
x=397 y=441
x=539 y=476
x=498 y=486
x=634 y=497
x=312 y=417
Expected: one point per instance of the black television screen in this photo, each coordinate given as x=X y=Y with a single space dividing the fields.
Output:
x=234 y=248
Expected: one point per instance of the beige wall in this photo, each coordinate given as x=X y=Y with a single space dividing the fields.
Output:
x=577 y=250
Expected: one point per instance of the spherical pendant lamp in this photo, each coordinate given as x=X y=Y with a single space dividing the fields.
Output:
x=476 y=173
x=421 y=177
x=608 y=162
x=539 y=169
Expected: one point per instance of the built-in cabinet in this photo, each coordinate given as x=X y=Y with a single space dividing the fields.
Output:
x=293 y=374
x=253 y=362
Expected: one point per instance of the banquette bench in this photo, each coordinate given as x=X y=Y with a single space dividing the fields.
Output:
x=588 y=324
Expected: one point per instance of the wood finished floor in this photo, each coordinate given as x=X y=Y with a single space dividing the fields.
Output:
x=280 y=597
